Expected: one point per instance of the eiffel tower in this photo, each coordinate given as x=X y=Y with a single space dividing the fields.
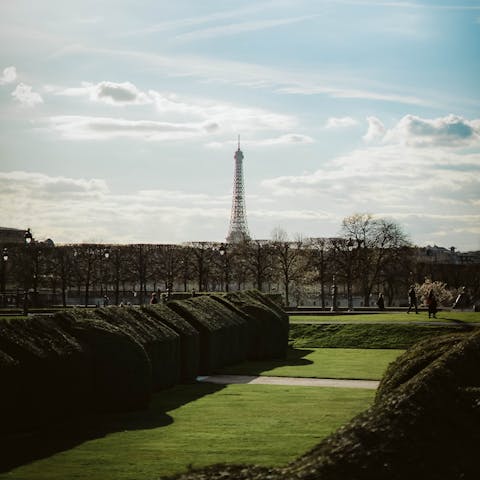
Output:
x=238 y=230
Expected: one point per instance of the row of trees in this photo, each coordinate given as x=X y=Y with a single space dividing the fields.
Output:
x=370 y=255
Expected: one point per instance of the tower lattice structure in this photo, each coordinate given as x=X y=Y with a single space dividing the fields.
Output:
x=238 y=230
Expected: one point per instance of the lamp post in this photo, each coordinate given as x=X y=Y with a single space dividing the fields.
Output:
x=4 y=265
x=333 y=291
x=349 y=275
x=106 y=300
x=28 y=237
x=223 y=252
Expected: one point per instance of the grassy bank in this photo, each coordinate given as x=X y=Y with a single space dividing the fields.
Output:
x=454 y=317
x=364 y=335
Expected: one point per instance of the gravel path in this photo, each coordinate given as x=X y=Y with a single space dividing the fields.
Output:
x=296 y=381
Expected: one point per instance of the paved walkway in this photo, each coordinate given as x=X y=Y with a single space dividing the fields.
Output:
x=296 y=381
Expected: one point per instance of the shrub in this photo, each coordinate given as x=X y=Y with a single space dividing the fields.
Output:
x=188 y=338
x=414 y=360
x=269 y=324
x=120 y=371
x=222 y=333
x=43 y=373
x=161 y=343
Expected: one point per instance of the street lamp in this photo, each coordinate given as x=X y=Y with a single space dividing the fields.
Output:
x=106 y=300
x=349 y=275
x=333 y=291
x=28 y=237
x=2 y=285
x=223 y=252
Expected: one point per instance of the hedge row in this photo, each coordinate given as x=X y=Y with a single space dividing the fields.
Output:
x=111 y=359
x=423 y=424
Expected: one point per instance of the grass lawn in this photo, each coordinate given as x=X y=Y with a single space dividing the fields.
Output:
x=446 y=317
x=200 y=424
x=322 y=363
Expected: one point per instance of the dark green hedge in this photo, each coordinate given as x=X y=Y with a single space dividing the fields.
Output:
x=111 y=359
x=118 y=365
x=268 y=324
x=223 y=336
x=188 y=337
x=160 y=342
x=414 y=360
x=43 y=373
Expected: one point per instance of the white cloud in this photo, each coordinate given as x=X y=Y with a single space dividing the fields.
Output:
x=288 y=139
x=175 y=117
x=428 y=188
x=111 y=93
x=100 y=128
x=9 y=75
x=376 y=129
x=413 y=131
x=340 y=122
x=173 y=108
x=304 y=88
x=199 y=19
x=255 y=75
x=26 y=96
x=449 y=131
x=240 y=27
x=89 y=210
x=52 y=187
x=231 y=117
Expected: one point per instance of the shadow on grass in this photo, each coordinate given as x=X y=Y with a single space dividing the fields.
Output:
x=21 y=448
x=466 y=325
x=295 y=357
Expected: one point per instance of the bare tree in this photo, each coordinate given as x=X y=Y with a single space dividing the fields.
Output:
x=320 y=259
x=289 y=260
x=374 y=244
x=258 y=255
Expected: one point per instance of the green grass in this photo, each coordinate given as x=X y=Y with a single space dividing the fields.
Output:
x=322 y=363
x=364 y=335
x=9 y=318
x=447 y=317
x=200 y=425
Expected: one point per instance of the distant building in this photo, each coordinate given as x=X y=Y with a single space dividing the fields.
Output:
x=16 y=236
x=449 y=256
x=11 y=236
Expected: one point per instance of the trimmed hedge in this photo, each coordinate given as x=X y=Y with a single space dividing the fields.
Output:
x=268 y=324
x=43 y=373
x=414 y=360
x=111 y=359
x=188 y=338
x=118 y=366
x=223 y=334
x=161 y=344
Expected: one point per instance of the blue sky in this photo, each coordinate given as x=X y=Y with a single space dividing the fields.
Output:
x=119 y=119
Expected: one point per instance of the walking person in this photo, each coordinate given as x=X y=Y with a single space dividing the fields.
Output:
x=412 y=297
x=381 y=302
x=432 y=305
x=153 y=299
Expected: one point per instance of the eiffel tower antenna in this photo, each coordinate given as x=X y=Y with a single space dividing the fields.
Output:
x=238 y=230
